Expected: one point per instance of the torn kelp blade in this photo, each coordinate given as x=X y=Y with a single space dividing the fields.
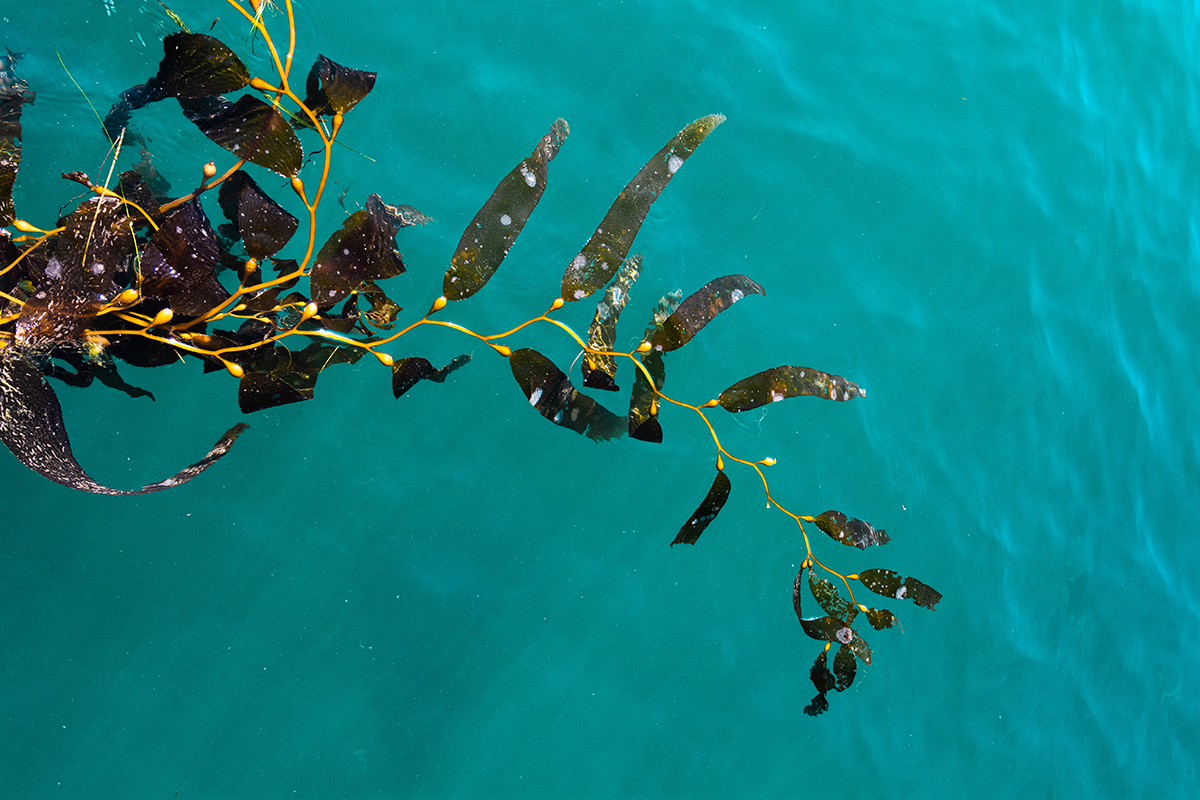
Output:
x=701 y=308
x=334 y=89
x=14 y=93
x=850 y=531
x=600 y=258
x=487 y=240
x=249 y=129
x=707 y=511
x=889 y=584
x=362 y=251
x=780 y=383
x=556 y=399
x=31 y=426
x=408 y=372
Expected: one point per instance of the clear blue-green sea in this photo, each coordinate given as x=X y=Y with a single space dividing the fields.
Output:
x=986 y=214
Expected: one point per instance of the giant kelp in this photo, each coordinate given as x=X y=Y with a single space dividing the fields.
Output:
x=134 y=274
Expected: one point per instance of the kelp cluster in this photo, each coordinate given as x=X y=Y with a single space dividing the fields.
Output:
x=136 y=275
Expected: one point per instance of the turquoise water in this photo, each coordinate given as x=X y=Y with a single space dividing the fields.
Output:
x=986 y=214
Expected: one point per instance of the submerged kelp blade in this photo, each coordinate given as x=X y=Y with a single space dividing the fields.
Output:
x=706 y=512
x=850 y=531
x=600 y=371
x=487 y=240
x=197 y=65
x=779 y=383
x=600 y=258
x=14 y=93
x=31 y=426
x=249 y=129
x=643 y=408
x=844 y=667
x=408 y=372
x=263 y=225
x=889 y=584
x=551 y=393
x=700 y=308
x=824 y=682
x=289 y=377
x=334 y=89
x=364 y=250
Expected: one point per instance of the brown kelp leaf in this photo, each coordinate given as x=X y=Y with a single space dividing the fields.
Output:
x=408 y=372
x=643 y=410
x=363 y=250
x=551 y=393
x=288 y=376
x=263 y=225
x=487 y=240
x=889 y=584
x=197 y=65
x=827 y=595
x=778 y=383
x=31 y=426
x=250 y=129
x=334 y=89
x=14 y=93
x=179 y=264
x=706 y=512
x=880 y=618
x=850 y=531
x=844 y=667
x=600 y=371
x=78 y=277
x=824 y=682
x=700 y=308
x=603 y=254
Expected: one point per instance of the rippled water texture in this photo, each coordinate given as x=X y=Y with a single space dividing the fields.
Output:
x=985 y=214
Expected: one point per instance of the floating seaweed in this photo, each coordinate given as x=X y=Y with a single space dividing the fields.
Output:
x=135 y=275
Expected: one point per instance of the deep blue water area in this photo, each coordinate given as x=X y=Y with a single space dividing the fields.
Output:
x=986 y=214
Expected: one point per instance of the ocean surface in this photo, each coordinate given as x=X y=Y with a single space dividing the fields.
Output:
x=986 y=214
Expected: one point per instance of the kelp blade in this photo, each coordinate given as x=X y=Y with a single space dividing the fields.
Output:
x=850 y=531
x=780 y=383
x=496 y=225
x=706 y=512
x=14 y=93
x=700 y=308
x=31 y=426
x=600 y=258
x=889 y=584
x=600 y=371
x=334 y=89
x=408 y=372
x=249 y=129
x=556 y=399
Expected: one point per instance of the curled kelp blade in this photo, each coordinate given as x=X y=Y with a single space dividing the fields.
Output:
x=408 y=372
x=700 y=308
x=491 y=234
x=31 y=426
x=706 y=512
x=780 y=383
x=334 y=89
x=643 y=410
x=603 y=254
x=555 y=398
x=600 y=371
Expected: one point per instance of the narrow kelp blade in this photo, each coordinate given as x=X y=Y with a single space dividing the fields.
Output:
x=603 y=254
x=248 y=128
x=643 y=408
x=850 y=531
x=780 y=383
x=334 y=89
x=31 y=426
x=889 y=584
x=408 y=372
x=706 y=512
x=552 y=394
x=701 y=308
x=496 y=225
x=14 y=93
x=362 y=251
x=263 y=225
x=600 y=371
